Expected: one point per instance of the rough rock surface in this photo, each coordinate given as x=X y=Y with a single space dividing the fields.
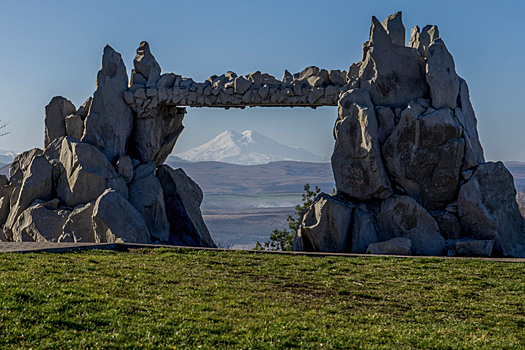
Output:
x=110 y=120
x=394 y=246
x=79 y=226
x=395 y=29
x=488 y=210
x=441 y=76
x=56 y=112
x=404 y=217
x=115 y=220
x=41 y=222
x=87 y=174
x=146 y=64
x=424 y=155
x=393 y=75
x=155 y=134
x=146 y=194
x=182 y=198
x=356 y=161
x=324 y=225
x=474 y=248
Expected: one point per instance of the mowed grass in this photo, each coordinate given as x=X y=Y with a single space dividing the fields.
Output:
x=178 y=299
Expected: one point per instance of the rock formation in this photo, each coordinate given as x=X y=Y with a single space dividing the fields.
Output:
x=96 y=179
x=408 y=164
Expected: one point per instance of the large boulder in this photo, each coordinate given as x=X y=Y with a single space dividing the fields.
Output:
x=393 y=74
x=404 y=217
x=56 y=112
x=182 y=198
x=324 y=225
x=20 y=164
x=467 y=118
x=488 y=210
x=356 y=161
x=88 y=173
x=115 y=220
x=146 y=65
x=424 y=156
x=110 y=120
x=36 y=184
x=394 y=246
x=41 y=222
x=79 y=224
x=441 y=76
x=475 y=248
x=363 y=231
x=146 y=194
x=155 y=134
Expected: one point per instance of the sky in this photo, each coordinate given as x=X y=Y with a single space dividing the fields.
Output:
x=52 y=48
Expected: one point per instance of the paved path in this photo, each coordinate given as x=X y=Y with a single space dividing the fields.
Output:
x=32 y=247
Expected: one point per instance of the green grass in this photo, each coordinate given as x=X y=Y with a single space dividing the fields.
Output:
x=167 y=299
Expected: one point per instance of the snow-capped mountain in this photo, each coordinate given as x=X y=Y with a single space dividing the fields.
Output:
x=7 y=157
x=247 y=148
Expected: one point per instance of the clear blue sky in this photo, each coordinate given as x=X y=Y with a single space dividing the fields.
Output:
x=54 y=48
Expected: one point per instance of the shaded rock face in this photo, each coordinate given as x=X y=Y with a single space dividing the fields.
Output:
x=42 y=222
x=55 y=124
x=146 y=65
x=110 y=120
x=155 y=134
x=424 y=156
x=488 y=210
x=356 y=161
x=392 y=73
x=115 y=220
x=182 y=198
x=394 y=246
x=404 y=217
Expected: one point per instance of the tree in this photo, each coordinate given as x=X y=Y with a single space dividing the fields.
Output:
x=283 y=239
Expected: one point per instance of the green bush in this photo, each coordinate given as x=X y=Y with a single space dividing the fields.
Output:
x=283 y=239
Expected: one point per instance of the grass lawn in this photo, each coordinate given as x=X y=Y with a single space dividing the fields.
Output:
x=178 y=299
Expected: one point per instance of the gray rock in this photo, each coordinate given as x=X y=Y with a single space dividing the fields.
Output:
x=337 y=77
x=137 y=79
x=83 y=110
x=415 y=38
x=5 y=207
x=424 y=156
x=488 y=210
x=287 y=77
x=40 y=223
x=79 y=226
x=428 y=34
x=241 y=85
x=356 y=161
x=467 y=118
x=404 y=217
x=363 y=230
x=52 y=151
x=146 y=194
x=20 y=164
x=74 y=126
x=110 y=120
x=441 y=76
x=394 y=27
x=324 y=225
x=124 y=168
x=394 y=246
x=4 y=181
x=448 y=224
x=155 y=134
x=475 y=248
x=56 y=112
x=387 y=122
x=167 y=80
x=255 y=78
x=115 y=220
x=87 y=174
x=182 y=199
x=146 y=64
x=393 y=75
x=36 y=184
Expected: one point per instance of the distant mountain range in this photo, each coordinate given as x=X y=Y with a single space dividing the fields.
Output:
x=247 y=148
